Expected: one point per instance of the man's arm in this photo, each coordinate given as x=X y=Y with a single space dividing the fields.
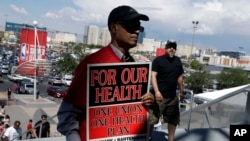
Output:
x=68 y=124
x=158 y=94
x=48 y=132
x=181 y=87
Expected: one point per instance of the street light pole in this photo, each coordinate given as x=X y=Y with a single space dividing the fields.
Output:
x=35 y=58
x=195 y=23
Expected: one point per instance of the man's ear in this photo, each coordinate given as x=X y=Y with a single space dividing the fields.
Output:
x=113 y=27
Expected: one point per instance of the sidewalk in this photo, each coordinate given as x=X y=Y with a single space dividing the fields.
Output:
x=24 y=107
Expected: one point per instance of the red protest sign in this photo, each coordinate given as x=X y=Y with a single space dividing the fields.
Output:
x=114 y=108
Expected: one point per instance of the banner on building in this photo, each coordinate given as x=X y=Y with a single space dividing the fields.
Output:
x=114 y=107
x=29 y=51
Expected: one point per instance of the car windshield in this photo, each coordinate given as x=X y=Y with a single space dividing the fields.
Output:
x=59 y=89
x=26 y=80
x=30 y=86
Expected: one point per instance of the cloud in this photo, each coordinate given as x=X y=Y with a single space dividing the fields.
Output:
x=166 y=17
x=18 y=10
x=52 y=15
x=215 y=5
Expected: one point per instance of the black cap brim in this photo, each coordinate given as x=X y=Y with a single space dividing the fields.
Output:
x=137 y=16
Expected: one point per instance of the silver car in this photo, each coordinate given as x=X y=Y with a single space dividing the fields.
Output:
x=5 y=65
x=55 y=81
x=5 y=70
x=27 y=88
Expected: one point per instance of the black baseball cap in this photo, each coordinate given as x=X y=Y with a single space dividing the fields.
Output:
x=171 y=44
x=125 y=13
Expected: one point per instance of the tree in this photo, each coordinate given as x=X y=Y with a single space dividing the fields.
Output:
x=196 y=65
x=232 y=77
x=67 y=64
x=79 y=51
x=198 y=80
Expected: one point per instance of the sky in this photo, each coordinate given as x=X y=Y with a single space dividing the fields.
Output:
x=223 y=25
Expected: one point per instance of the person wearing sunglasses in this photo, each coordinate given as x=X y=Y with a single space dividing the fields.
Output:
x=124 y=27
x=166 y=75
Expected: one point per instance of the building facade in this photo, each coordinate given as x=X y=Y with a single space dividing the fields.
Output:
x=92 y=35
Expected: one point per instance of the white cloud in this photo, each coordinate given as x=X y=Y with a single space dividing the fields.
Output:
x=215 y=5
x=52 y=15
x=18 y=10
x=215 y=16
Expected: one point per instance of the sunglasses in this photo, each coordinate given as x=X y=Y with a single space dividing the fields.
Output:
x=131 y=26
x=169 y=46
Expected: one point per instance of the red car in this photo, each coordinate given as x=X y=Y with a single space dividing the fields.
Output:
x=57 y=92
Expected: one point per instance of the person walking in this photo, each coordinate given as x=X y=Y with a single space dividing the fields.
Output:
x=6 y=119
x=29 y=134
x=166 y=75
x=5 y=127
x=2 y=112
x=9 y=93
x=13 y=133
x=42 y=128
x=1 y=128
x=124 y=27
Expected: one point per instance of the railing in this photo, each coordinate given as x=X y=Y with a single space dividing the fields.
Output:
x=232 y=108
x=40 y=131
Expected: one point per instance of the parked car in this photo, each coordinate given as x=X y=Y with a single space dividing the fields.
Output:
x=55 y=81
x=27 y=88
x=57 y=92
x=5 y=71
x=15 y=77
x=28 y=80
x=5 y=65
x=66 y=80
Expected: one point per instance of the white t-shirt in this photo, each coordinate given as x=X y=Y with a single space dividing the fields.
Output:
x=13 y=133
x=2 y=112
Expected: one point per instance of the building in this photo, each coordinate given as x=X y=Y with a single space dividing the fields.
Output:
x=13 y=30
x=92 y=35
x=63 y=37
x=105 y=37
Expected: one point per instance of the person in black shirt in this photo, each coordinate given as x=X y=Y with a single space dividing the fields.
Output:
x=44 y=125
x=166 y=75
x=9 y=93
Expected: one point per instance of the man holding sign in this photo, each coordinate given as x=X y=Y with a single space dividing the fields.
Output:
x=124 y=27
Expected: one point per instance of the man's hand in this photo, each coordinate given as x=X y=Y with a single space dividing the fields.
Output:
x=148 y=99
x=158 y=96
x=181 y=95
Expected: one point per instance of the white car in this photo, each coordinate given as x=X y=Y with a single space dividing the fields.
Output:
x=66 y=81
x=55 y=81
x=18 y=78
x=27 y=88
x=15 y=77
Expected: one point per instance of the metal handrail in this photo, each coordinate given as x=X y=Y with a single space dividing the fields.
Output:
x=40 y=131
x=191 y=107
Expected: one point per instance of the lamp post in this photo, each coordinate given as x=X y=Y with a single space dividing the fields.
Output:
x=35 y=58
x=195 y=23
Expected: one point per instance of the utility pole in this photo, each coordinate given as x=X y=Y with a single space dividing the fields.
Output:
x=35 y=58
x=195 y=23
